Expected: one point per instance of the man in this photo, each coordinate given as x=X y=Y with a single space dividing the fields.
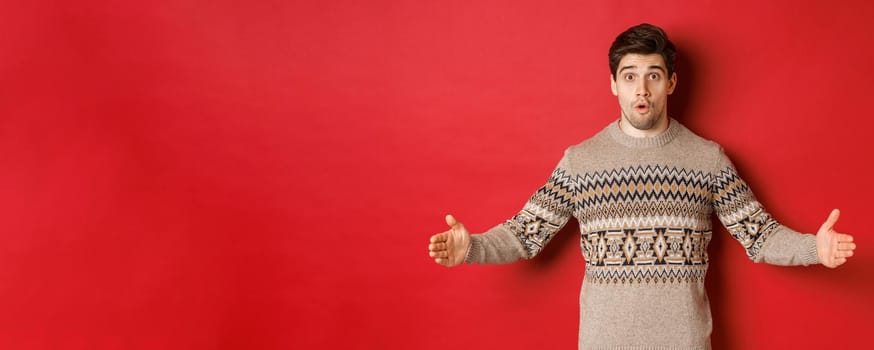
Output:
x=643 y=190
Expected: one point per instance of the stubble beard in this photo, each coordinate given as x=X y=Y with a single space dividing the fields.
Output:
x=642 y=122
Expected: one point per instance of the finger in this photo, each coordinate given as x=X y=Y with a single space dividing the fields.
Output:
x=840 y=261
x=450 y=220
x=440 y=237
x=832 y=219
x=443 y=261
x=844 y=238
x=437 y=246
x=439 y=254
x=843 y=253
x=846 y=246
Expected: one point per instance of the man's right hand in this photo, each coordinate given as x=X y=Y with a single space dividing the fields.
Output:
x=450 y=248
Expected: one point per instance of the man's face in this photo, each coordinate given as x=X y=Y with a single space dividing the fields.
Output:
x=642 y=85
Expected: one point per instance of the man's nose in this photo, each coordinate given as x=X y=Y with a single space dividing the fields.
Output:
x=640 y=89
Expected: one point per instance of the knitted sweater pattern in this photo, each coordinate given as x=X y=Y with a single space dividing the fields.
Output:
x=644 y=207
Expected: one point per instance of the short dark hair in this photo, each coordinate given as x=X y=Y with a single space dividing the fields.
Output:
x=642 y=39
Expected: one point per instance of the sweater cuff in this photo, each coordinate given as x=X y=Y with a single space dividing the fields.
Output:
x=809 y=256
x=475 y=251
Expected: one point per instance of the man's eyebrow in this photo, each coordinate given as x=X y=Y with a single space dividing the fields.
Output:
x=626 y=67
x=650 y=67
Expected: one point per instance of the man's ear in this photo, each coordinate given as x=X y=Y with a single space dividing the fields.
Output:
x=613 y=85
x=672 y=83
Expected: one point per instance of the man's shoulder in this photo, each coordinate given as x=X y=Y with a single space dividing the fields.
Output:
x=690 y=139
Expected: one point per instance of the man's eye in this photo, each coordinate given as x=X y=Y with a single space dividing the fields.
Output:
x=653 y=76
x=629 y=77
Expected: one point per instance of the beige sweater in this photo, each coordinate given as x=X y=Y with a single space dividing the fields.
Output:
x=644 y=207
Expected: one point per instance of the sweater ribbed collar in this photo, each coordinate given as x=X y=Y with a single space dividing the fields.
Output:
x=659 y=140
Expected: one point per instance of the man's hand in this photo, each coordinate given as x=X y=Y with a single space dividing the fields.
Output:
x=449 y=248
x=833 y=248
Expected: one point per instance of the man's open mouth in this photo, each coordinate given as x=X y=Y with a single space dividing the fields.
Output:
x=641 y=107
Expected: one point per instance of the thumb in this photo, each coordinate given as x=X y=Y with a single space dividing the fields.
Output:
x=832 y=219
x=450 y=220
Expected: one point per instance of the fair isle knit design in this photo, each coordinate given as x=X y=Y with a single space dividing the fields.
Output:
x=742 y=215
x=546 y=212
x=636 y=216
x=665 y=255
x=644 y=192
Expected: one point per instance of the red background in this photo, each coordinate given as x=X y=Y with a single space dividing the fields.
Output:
x=266 y=174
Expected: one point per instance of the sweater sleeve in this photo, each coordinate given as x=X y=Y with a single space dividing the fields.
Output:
x=764 y=239
x=525 y=234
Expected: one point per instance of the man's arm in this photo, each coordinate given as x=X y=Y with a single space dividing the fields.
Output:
x=457 y=245
x=766 y=240
x=521 y=237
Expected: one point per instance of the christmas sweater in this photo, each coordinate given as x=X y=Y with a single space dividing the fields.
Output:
x=644 y=208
